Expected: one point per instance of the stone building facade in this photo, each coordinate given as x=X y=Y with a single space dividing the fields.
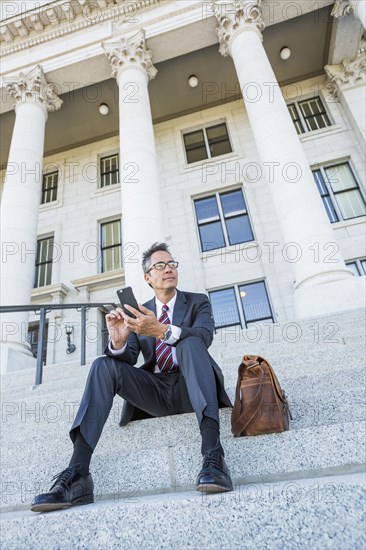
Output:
x=233 y=131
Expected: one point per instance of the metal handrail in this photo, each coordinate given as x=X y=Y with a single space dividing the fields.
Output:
x=42 y=310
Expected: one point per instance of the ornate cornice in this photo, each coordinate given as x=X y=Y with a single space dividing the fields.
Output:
x=341 y=8
x=46 y=23
x=33 y=86
x=130 y=51
x=235 y=16
x=348 y=74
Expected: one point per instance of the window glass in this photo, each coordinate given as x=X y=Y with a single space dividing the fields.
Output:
x=109 y=169
x=195 y=146
x=255 y=301
x=351 y=204
x=211 y=236
x=239 y=230
x=232 y=202
x=340 y=177
x=49 y=187
x=314 y=114
x=111 y=246
x=206 y=209
x=332 y=214
x=296 y=119
x=44 y=260
x=319 y=180
x=224 y=307
x=211 y=221
x=353 y=266
x=218 y=140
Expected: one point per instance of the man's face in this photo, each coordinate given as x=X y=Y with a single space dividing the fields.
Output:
x=165 y=279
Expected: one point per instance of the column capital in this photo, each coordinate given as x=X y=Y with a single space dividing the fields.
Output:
x=341 y=8
x=33 y=87
x=130 y=51
x=347 y=74
x=236 y=16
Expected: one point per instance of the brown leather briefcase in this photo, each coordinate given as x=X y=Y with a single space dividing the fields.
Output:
x=260 y=405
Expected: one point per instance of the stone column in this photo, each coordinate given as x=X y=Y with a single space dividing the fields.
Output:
x=347 y=83
x=142 y=216
x=34 y=98
x=345 y=7
x=320 y=287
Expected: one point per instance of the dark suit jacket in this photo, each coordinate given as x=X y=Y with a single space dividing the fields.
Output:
x=193 y=314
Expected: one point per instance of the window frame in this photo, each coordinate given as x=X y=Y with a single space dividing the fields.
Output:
x=102 y=157
x=332 y=195
x=204 y=129
x=46 y=262
x=243 y=323
x=301 y=119
x=44 y=191
x=222 y=218
x=358 y=262
x=109 y=247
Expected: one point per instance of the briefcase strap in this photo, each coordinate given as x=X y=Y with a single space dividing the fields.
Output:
x=255 y=403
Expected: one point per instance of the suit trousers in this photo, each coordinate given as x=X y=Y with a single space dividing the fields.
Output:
x=191 y=389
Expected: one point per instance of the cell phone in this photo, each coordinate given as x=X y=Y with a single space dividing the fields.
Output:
x=126 y=296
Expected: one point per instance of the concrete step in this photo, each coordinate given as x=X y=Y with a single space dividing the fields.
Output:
x=297 y=379
x=311 y=359
x=25 y=379
x=318 y=450
x=51 y=423
x=314 y=388
x=318 y=513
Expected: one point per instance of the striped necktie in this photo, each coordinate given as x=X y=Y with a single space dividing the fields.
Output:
x=164 y=356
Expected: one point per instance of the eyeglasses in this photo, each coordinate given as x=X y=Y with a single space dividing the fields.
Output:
x=161 y=265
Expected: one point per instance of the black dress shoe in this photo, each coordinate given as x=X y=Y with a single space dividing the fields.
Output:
x=70 y=489
x=214 y=476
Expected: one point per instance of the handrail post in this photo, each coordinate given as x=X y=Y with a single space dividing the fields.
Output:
x=42 y=324
x=83 y=336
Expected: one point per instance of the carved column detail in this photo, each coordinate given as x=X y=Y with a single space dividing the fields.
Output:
x=342 y=8
x=33 y=86
x=131 y=51
x=348 y=74
x=235 y=17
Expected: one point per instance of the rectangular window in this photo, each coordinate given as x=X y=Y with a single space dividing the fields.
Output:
x=109 y=170
x=111 y=246
x=340 y=192
x=207 y=143
x=223 y=220
x=358 y=266
x=248 y=301
x=49 y=187
x=309 y=115
x=44 y=260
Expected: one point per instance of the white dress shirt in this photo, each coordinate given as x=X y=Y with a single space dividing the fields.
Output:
x=176 y=331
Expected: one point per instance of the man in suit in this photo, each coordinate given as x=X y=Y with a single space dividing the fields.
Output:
x=173 y=332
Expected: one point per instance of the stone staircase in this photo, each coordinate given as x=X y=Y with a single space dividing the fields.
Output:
x=304 y=488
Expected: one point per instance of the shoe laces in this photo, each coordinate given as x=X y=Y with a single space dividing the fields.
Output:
x=64 y=478
x=212 y=458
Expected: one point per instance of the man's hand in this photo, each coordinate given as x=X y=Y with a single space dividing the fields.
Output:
x=145 y=323
x=117 y=328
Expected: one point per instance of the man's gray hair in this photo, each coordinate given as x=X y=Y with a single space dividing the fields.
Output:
x=146 y=256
